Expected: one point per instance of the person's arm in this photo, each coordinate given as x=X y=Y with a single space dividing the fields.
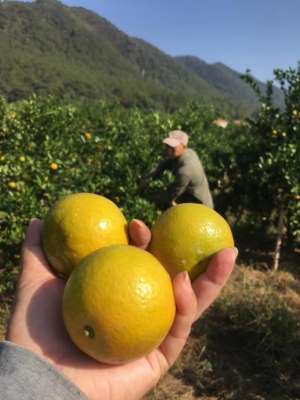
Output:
x=178 y=187
x=157 y=172
x=24 y=375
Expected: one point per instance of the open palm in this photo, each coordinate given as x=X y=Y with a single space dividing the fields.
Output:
x=37 y=323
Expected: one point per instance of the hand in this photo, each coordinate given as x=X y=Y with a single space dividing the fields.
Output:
x=37 y=324
x=173 y=203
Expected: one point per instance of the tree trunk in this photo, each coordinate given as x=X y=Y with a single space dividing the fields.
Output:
x=280 y=233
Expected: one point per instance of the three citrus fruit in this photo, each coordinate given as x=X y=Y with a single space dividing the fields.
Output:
x=118 y=304
x=187 y=235
x=78 y=225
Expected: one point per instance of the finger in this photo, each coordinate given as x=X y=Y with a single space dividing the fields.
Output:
x=33 y=233
x=209 y=285
x=33 y=259
x=32 y=241
x=186 y=304
x=140 y=234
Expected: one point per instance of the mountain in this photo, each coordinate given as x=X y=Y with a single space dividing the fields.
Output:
x=227 y=81
x=47 y=47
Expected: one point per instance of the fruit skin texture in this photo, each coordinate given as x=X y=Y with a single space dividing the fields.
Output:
x=187 y=235
x=79 y=224
x=118 y=304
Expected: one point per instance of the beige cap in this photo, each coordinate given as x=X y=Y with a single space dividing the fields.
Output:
x=175 y=138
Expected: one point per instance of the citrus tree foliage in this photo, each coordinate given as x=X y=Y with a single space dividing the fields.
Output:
x=49 y=149
x=274 y=163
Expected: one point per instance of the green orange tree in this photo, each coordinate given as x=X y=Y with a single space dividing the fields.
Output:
x=272 y=171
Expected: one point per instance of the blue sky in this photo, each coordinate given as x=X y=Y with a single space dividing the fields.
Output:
x=257 y=34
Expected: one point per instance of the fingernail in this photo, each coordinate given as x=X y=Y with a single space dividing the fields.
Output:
x=186 y=278
x=236 y=250
x=138 y=223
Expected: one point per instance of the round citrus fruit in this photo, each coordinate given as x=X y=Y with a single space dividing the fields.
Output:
x=186 y=236
x=78 y=225
x=118 y=304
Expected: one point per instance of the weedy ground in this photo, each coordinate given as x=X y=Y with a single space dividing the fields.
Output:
x=247 y=346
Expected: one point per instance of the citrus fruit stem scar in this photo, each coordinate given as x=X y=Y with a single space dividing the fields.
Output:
x=89 y=332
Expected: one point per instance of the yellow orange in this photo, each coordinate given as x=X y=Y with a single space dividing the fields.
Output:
x=187 y=235
x=54 y=166
x=118 y=304
x=78 y=225
x=12 y=185
x=88 y=135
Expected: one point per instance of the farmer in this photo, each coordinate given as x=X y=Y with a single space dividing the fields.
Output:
x=191 y=185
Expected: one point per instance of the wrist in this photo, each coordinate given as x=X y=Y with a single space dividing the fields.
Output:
x=28 y=375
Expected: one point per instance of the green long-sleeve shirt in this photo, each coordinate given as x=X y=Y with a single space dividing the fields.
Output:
x=190 y=178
